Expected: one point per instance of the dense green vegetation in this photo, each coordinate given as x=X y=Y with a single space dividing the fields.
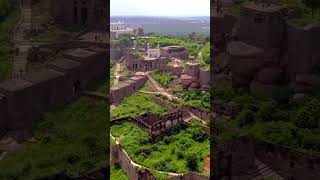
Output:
x=116 y=173
x=276 y=121
x=183 y=150
x=195 y=98
x=135 y=105
x=194 y=48
x=71 y=140
x=9 y=16
x=164 y=79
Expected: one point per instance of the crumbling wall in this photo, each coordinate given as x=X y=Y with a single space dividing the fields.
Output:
x=172 y=70
x=119 y=157
x=126 y=88
x=204 y=77
x=165 y=103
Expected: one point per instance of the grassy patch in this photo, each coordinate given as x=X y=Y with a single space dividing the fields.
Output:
x=71 y=140
x=116 y=173
x=182 y=151
x=135 y=105
x=164 y=79
x=195 y=98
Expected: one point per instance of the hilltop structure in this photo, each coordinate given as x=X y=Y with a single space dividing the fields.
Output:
x=265 y=52
x=118 y=28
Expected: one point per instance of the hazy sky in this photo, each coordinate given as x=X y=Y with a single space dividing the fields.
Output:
x=160 y=7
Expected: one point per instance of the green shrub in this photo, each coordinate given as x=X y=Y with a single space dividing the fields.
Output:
x=308 y=116
x=266 y=110
x=245 y=118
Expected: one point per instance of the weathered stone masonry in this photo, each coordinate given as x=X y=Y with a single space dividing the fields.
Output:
x=24 y=100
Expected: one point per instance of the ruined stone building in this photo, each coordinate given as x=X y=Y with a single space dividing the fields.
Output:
x=193 y=76
x=126 y=87
x=90 y=13
x=174 y=52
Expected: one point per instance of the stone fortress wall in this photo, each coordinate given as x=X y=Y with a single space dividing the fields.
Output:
x=24 y=100
x=126 y=87
x=120 y=158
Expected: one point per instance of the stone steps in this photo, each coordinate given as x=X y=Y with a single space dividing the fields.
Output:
x=20 y=61
x=263 y=171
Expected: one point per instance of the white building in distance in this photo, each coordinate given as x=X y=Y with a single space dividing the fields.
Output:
x=116 y=29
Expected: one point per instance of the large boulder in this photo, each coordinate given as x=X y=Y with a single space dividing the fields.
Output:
x=187 y=80
x=270 y=75
x=245 y=60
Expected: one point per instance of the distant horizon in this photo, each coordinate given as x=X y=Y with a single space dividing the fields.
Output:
x=160 y=8
x=180 y=16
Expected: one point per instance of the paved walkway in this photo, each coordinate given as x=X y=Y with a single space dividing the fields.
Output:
x=21 y=41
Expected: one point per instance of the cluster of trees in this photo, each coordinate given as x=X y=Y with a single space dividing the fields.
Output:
x=181 y=151
x=195 y=98
x=297 y=126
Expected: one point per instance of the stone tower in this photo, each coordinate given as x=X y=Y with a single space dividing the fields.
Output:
x=89 y=13
x=263 y=26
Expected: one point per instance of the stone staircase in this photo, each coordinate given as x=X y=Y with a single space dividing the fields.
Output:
x=263 y=171
x=21 y=41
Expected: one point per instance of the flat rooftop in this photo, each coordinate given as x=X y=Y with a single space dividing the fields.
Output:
x=172 y=47
x=65 y=64
x=43 y=75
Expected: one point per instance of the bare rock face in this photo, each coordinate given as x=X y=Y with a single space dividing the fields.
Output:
x=270 y=75
x=187 y=80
